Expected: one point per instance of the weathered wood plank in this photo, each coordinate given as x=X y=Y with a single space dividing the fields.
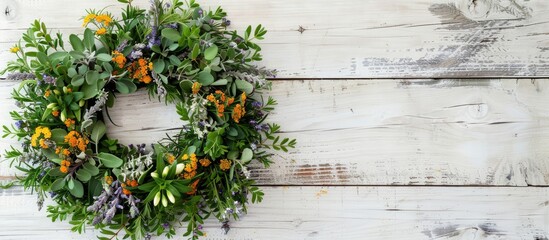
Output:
x=345 y=213
x=357 y=38
x=378 y=132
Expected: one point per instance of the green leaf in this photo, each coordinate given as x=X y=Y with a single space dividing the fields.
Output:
x=92 y=77
x=99 y=130
x=246 y=156
x=205 y=78
x=232 y=155
x=58 y=184
x=90 y=91
x=171 y=34
x=76 y=43
x=211 y=52
x=158 y=66
x=104 y=57
x=89 y=39
x=77 y=190
x=125 y=86
x=71 y=72
x=58 y=135
x=220 y=82
x=83 y=175
x=195 y=52
x=55 y=172
x=42 y=58
x=186 y=86
x=92 y=169
x=147 y=187
x=244 y=86
x=110 y=160
x=78 y=81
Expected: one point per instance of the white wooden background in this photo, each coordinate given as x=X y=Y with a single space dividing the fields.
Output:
x=424 y=119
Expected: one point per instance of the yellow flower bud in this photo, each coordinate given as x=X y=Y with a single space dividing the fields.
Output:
x=179 y=168
x=154 y=175
x=57 y=92
x=81 y=103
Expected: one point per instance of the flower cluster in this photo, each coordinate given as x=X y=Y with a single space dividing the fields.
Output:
x=180 y=54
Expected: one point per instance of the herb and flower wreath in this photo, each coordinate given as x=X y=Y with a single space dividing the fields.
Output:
x=182 y=54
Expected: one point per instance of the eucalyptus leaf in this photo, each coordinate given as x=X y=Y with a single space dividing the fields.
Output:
x=89 y=39
x=247 y=155
x=104 y=57
x=83 y=175
x=98 y=131
x=76 y=43
x=171 y=34
x=78 y=189
x=210 y=52
x=58 y=135
x=58 y=184
x=92 y=77
x=92 y=169
x=77 y=81
x=244 y=86
x=205 y=78
x=109 y=160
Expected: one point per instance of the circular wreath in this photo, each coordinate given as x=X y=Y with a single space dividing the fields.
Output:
x=181 y=54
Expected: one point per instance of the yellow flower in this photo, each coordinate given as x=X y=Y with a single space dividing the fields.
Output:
x=101 y=31
x=40 y=132
x=243 y=97
x=14 y=49
x=225 y=164
x=105 y=19
x=185 y=157
x=88 y=18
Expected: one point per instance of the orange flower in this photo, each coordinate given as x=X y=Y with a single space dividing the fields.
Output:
x=205 y=162
x=238 y=112
x=58 y=150
x=225 y=164
x=146 y=79
x=47 y=93
x=211 y=98
x=69 y=122
x=171 y=158
x=194 y=187
x=55 y=113
x=230 y=101
x=220 y=110
x=64 y=169
x=101 y=31
x=66 y=152
x=243 y=97
x=118 y=58
x=74 y=139
x=189 y=175
x=43 y=143
x=196 y=87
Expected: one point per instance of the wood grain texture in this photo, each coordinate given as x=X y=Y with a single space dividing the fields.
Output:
x=383 y=132
x=345 y=213
x=356 y=38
